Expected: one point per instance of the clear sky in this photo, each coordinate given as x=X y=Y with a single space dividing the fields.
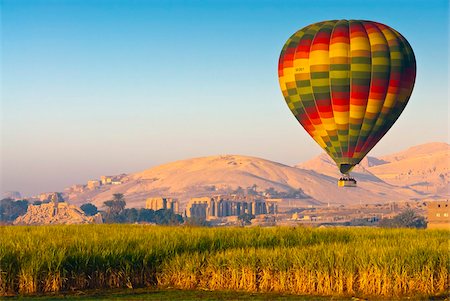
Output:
x=92 y=87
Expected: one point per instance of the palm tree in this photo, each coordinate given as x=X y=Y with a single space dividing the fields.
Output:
x=118 y=197
x=116 y=205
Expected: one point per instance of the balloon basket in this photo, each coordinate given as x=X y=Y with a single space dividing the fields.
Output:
x=347 y=182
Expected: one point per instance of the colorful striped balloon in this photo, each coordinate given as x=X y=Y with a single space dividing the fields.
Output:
x=347 y=82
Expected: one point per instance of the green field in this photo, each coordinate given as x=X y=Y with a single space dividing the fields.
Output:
x=363 y=262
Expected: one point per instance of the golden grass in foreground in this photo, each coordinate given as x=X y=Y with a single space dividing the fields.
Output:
x=344 y=261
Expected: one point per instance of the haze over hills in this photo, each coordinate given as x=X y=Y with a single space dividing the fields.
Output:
x=316 y=178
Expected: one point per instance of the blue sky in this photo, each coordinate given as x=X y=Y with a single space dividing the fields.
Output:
x=102 y=87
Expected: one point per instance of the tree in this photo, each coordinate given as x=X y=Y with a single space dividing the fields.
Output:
x=130 y=215
x=10 y=209
x=246 y=219
x=299 y=193
x=251 y=190
x=294 y=194
x=271 y=191
x=109 y=204
x=239 y=190
x=114 y=209
x=89 y=209
x=406 y=219
x=116 y=205
x=146 y=215
x=119 y=202
x=167 y=217
x=118 y=197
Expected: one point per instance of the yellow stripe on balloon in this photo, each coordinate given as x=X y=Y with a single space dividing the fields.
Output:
x=319 y=57
x=359 y=43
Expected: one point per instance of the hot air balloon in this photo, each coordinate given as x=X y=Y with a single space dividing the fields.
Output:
x=347 y=82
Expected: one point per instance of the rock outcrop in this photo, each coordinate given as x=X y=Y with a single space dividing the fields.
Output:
x=56 y=213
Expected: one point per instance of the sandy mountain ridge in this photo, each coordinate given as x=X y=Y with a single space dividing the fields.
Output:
x=317 y=178
x=425 y=168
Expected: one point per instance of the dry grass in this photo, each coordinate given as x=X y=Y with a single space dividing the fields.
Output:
x=350 y=261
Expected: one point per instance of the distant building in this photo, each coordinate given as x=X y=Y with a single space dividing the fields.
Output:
x=162 y=203
x=51 y=197
x=200 y=207
x=231 y=205
x=77 y=188
x=106 y=180
x=93 y=184
x=438 y=215
x=113 y=180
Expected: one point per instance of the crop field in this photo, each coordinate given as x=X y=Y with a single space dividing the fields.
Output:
x=327 y=262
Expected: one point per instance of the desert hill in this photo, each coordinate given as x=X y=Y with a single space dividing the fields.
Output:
x=425 y=168
x=223 y=174
x=325 y=165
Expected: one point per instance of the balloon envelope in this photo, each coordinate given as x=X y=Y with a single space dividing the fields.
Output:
x=347 y=82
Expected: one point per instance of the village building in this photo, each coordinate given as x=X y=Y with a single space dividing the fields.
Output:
x=438 y=215
x=106 y=180
x=93 y=184
x=77 y=188
x=113 y=180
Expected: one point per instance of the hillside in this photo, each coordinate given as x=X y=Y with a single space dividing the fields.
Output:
x=325 y=165
x=425 y=168
x=222 y=174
